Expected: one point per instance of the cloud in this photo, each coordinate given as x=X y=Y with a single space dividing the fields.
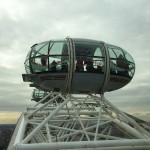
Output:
x=144 y=116
x=124 y=23
x=14 y=94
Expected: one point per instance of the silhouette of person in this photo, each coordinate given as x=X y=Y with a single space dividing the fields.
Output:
x=43 y=61
x=120 y=61
x=121 y=64
x=64 y=66
x=79 y=65
x=53 y=66
x=89 y=66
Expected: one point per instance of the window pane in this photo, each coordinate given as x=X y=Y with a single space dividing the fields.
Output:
x=58 y=63
x=40 y=49
x=59 y=57
x=118 y=52
x=44 y=49
x=128 y=57
x=39 y=64
x=111 y=53
x=130 y=69
x=89 y=57
x=114 y=51
x=59 y=48
x=98 y=52
x=26 y=63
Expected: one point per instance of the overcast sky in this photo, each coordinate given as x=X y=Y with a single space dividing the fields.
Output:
x=124 y=23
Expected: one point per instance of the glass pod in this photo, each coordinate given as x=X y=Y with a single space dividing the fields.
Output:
x=75 y=65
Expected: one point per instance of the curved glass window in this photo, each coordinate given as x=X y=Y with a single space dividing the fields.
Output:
x=27 y=66
x=89 y=57
x=39 y=59
x=40 y=49
x=121 y=63
x=48 y=57
x=59 y=56
x=130 y=65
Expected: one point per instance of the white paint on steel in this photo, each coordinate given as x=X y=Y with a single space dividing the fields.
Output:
x=79 y=123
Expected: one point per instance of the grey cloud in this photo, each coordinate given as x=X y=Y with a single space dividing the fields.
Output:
x=144 y=116
x=14 y=94
x=123 y=23
x=131 y=99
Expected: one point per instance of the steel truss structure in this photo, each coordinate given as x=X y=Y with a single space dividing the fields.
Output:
x=78 y=122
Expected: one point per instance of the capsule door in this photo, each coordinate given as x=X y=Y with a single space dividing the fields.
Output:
x=88 y=75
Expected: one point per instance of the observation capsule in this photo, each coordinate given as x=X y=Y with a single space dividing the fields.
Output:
x=74 y=65
x=37 y=95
